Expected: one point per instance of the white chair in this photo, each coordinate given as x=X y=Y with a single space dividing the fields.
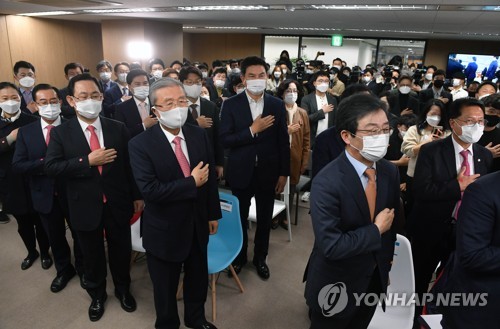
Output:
x=431 y=321
x=279 y=206
x=402 y=281
x=135 y=233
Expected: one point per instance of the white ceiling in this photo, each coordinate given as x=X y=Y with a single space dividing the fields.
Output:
x=449 y=19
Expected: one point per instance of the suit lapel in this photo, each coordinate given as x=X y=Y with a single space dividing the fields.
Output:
x=355 y=187
x=245 y=108
x=479 y=164
x=165 y=150
x=109 y=142
x=80 y=139
x=448 y=157
x=39 y=138
x=192 y=147
x=382 y=188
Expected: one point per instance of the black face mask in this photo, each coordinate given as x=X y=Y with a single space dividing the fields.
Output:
x=438 y=83
x=472 y=94
x=493 y=120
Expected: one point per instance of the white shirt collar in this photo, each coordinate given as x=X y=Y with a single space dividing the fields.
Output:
x=198 y=103
x=251 y=100
x=55 y=123
x=171 y=136
x=138 y=101
x=359 y=166
x=97 y=124
x=14 y=118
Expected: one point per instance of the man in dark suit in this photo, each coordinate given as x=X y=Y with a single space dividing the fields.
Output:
x=477 y=259
x=119 y=92
x=216 y=86
x=319 y=105
x=70 y=71
x=254 y=129
x=444 y=170
x=354 y=201
x=14 y=190
x=403 y=100
x=135 y=113
x=470 y=70
x=104 y=69
x=91 y=153
x=436 y=91
x=203 y=113
x=47 y=194
x=328 y=147
x=174 y=168
x=369 y=81
x=24 y=75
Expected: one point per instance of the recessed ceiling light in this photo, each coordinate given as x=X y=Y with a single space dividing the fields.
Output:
x=375 y=7
x=212 y=8
x=48 y=13
x=124 y=10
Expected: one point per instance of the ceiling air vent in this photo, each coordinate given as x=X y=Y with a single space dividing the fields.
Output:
x=71 y=3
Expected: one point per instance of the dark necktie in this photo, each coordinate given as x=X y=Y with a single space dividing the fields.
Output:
x=194 y=111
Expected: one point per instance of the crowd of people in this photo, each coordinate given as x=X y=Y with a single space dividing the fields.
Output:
x=159 y=140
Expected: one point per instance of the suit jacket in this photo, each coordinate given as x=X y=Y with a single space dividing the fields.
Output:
x=476 y=266
x=214 y=95
x=328 y=147
x=375 y=87
x=177 y=211
x=111 y=84
x=436 y=189
x=12 y=185
x=112 y=97
x=315 y=114
x=299 y=146
x=29 y=160
x=67 y=157
x=348 y=246
x=271 y=146
x=24 y=106
x=66 y=110
x=428 y=94
x=470 y=71
x=394 y=105
x=210 y=110
x=128 y=113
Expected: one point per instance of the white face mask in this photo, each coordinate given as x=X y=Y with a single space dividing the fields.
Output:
x=367 y=79
x=309 y=71
x=204 y=74
x=49 y=111
x=89 y=108
x=472 y=134
x=193 y=91
x=27 y=82
x=291 y=98
x=404 y=90
x=277 y=75
x=207 y=97
x=240 y=90
x=122 y=77
x=157 y=74
x=428 y=76
x=235 y=71
x=338 y=67
x=456 y=82
x=256 y=87
x=433 y=120
x=141 y=92
x=332 y=77
x=284 y=71
x=402 y=133
x=105 y=76
x=219 y=83
x=174 y=118
x=11 y=106
x=374 y=147
x=322 y=87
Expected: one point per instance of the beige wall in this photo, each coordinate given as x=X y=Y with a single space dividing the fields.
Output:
x=166 y=38
x=206 y=47
x=438 y=50
x=48 y=45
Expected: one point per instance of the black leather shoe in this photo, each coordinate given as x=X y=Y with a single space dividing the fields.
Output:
x=46 y=262
x=127 y=301
x=60 y=282
x=96 y=309
x=28 y=261
x=262 y=269
x=83 y=281
x=237 y=268
x=4 y=219
x=206 y=325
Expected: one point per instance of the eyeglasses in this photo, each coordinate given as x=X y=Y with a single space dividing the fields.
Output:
x=376 y=131
x=94 y=97
x=182 y=102
x=472 y=122
x=322 y=81
x=190 y=82
x=44 y=102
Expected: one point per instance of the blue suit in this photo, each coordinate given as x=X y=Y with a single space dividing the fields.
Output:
x=112 y=98
x=47 y=194
x=348 y=247
x=255 y=163
x=128 y=113
x=490 y=74
x=470 y=71
x=475 y=268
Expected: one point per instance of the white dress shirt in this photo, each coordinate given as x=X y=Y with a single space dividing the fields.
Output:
x=45 y=124
x=97 y=129
x=360 y=169
x=256 y=107
x=323 y=123
x=171 y=137
x=459 y=159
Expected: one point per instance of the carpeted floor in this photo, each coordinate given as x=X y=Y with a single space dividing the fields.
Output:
x=26 y=301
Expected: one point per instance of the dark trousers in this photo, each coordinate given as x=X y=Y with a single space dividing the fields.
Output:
x=264 y=199
x=55 y=226
x=30 y=229
x=119 y=253
x=165 y=277
x=359 y=319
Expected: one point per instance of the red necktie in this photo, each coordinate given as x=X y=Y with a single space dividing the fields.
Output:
x=181 y=158
x=47 y=138
x=371 y=191
x=465 y=164
x=94 y=145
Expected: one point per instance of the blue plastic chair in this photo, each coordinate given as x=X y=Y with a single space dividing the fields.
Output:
x=225 y=245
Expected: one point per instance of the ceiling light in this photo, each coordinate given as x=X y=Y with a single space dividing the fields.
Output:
x=48 y=13
x=124 y=10
x=215 y=8
x=375 y=7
